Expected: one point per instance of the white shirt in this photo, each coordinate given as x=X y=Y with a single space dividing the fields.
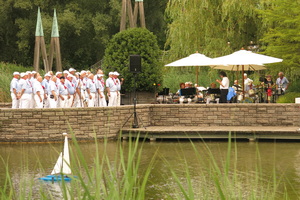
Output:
x=14 y=85
x=100 y=84
x=37 y=87
x=225 y=83
x=111 y=84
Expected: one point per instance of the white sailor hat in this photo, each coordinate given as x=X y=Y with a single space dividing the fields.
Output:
x=71 y=76
x=100 y=75
x=72 y=70
x=33 y=72
x=82 y=72
x=47 y=74
x=28 y=72
x=110 y=73
x=58 y=73
x=66 y=72
x=23 y=74
x=116 y=73
x=16 y=73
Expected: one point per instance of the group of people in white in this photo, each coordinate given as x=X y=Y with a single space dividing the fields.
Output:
x=65 y=89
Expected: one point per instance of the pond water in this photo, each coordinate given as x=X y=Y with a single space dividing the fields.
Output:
x=248 y=158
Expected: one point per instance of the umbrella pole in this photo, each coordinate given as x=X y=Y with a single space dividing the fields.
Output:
x=197 y=73
x=243 y=82
x=237 y=74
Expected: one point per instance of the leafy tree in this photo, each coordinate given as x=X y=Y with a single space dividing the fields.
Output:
x=207 y=26
x=136 y=41
x=281 y=23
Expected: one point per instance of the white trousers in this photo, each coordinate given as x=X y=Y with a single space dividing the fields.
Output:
x=70 y=101
x=102 y=101
x=63 y=103
x=112 y=100
x=25 y=100
x=32 y=101
x=119 y=99
x=38 y=103
x=14 y=101
x=52 y=103
x=91 y=102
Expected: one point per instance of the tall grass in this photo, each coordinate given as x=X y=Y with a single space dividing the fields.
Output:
x=123 y=177
x=6 y=71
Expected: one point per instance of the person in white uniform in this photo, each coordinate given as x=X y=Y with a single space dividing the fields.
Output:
x=91 y=90
x=26 y=91
x=64 y=95
x=45 y=85
x=112 y=90
x=71 y=89
x=38 y=92
x=119 y=84
x=100 y=85
x=53 y=91
x=14 y=90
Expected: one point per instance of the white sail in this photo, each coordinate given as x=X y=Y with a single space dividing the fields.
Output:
x=63 y=162
x=66 y=158
x=57 y=167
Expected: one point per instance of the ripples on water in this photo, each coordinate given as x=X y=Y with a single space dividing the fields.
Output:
x=250 y=171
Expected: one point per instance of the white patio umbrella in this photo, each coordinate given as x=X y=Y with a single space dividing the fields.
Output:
x=244 y=59
x=195 y=59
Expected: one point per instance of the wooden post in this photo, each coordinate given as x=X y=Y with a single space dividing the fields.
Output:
x=142 y=14
x=39 y=44
x=55 y=46
x=132 y=15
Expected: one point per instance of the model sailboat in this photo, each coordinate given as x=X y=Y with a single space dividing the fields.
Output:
x=62 y=167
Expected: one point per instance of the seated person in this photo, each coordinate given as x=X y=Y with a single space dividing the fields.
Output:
x=249 y=89
x=182 y=86
x=213 y=93
x=236 y=86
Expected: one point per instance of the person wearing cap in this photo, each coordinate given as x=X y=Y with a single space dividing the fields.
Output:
x=53 y=92
x=45 y=85
x=14 y=90
x=119 y=83
x=72 y=71
x=112 y=90
x=38 y=92
x=100 y=86
x=26 y=91
x=71 y=89
x=246 y=81
x=64 y=95
x=91 y=90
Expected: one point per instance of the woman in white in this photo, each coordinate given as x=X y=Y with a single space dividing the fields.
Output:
x=224 y=85
x=100 y=85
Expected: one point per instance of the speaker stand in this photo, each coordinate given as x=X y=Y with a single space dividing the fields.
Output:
x=134 y=114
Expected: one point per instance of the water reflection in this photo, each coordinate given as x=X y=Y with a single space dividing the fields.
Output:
x=36 y=160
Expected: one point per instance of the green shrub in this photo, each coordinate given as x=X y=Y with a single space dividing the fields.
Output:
x=136 y=41
x=288 y=97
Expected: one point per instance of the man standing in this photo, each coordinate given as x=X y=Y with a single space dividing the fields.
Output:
x=282 y=83
x=100 y=85
x=71 y=89
x=91 y=90
x=38 y=91
x=64 y=95
x=53 y=91
x=45 y=85
x=14 y=90
x=119 y=83
x=112 y=90
x=26 y=91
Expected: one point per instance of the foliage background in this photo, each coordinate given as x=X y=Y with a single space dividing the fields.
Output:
x=136 y=41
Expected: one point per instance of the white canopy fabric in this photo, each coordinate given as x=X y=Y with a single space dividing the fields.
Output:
x=195 y=59
x=243 y=57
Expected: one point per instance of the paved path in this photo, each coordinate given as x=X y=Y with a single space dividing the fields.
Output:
x=220 y=132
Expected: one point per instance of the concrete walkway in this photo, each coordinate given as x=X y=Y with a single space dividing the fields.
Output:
x=214 y=132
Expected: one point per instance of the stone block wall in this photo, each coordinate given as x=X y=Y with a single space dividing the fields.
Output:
x=29 y=125
x=225 y=115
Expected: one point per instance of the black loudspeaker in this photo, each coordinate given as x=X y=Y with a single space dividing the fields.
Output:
x=135 y=64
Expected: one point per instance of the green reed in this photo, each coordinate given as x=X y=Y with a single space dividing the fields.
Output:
x=123 y=177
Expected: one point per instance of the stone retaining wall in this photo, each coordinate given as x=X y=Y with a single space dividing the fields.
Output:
x=47 y=124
